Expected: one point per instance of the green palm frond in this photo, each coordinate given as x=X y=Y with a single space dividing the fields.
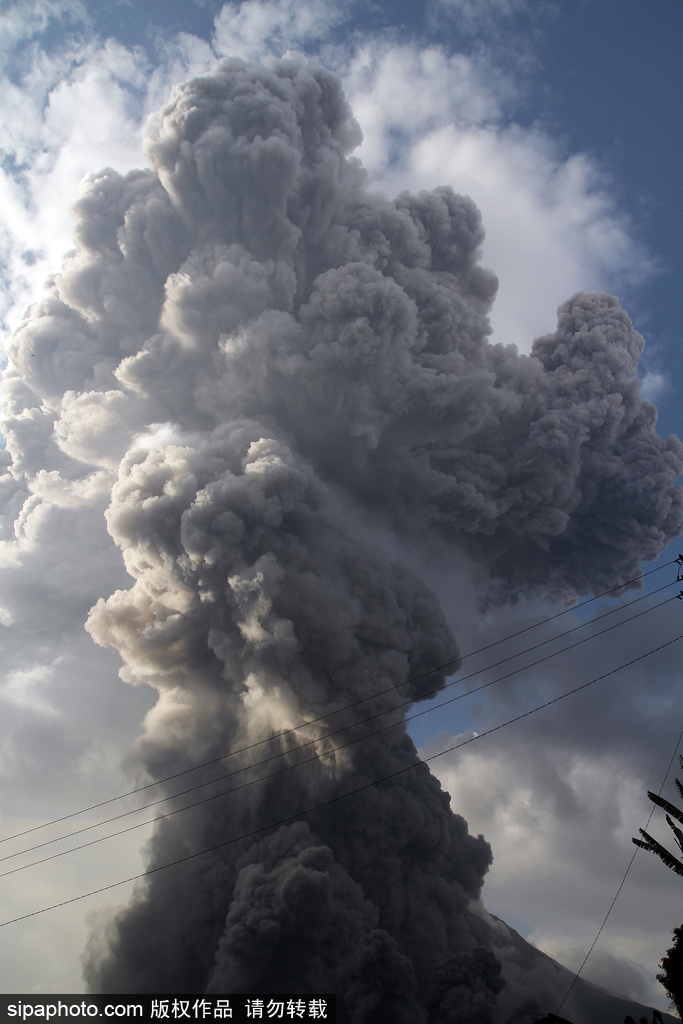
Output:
x=667 y=806
x=676 y=831
x=671 y=812
x=654 y=847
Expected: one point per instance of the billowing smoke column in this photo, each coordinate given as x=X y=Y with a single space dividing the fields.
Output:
x=242 y=328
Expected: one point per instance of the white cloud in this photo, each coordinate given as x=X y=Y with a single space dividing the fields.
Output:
x=506 y=24
x=81 y=107
x=23 y=688
x=552 y=227
x=21 y=25
x=560 y=826
x=401 y=93
x=82 y=116
x=616 y=974
x=258 y=28
x=654 y=385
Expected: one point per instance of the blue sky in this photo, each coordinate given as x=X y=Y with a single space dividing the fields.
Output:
x=562 y=121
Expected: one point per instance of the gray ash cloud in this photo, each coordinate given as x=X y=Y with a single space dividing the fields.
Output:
x=243 y=327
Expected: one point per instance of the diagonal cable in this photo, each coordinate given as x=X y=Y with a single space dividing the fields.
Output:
x=348 y=707
x=621 y=884
x=342 y=796
x=316 y=740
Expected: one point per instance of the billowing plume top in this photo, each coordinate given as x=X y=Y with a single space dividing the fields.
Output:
x=251 y=274
x=254 y=155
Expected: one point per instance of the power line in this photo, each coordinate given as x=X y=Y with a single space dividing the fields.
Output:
x=328 y=735
x=348 y=707
x=343 y=796
x=280 y=771
x=621 y=884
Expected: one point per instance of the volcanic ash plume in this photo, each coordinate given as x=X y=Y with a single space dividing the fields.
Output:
x=243 y=331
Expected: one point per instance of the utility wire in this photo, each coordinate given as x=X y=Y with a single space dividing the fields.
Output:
x=362 y=700
x=342 y=796
x=621 y=884
x=309 y=743
x=279 y=771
